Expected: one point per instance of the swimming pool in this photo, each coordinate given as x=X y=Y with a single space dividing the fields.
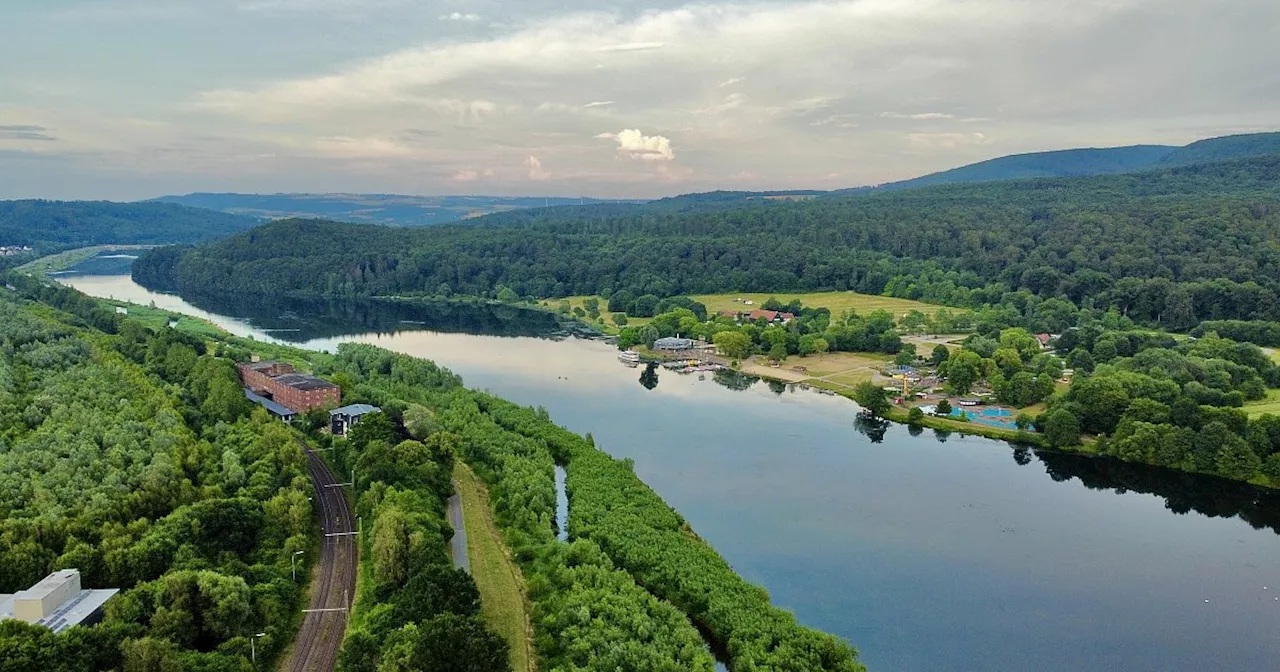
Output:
x=996 y=417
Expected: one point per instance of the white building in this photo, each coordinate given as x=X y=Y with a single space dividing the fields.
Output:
x=57 y=602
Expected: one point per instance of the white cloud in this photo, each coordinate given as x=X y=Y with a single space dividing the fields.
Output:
x=731 y=81
x=637 y=145
x=631 y=46
x=598 y=103
x=536 y=172
x=946 y=140
x=922 y=116
x=465 y=175
x=459 y=16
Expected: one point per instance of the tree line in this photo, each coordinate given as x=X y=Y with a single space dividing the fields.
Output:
x=1169 y=248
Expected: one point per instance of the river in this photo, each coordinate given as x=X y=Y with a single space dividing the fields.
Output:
x=927 y=551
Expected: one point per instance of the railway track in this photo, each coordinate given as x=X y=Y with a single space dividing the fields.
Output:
x=325 y=624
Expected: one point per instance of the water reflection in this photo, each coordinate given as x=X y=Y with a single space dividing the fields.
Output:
x=649 y=376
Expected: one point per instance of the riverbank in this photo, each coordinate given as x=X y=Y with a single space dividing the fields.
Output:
x=66 y=259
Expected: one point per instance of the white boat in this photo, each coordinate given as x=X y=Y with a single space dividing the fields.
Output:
x=629 y=356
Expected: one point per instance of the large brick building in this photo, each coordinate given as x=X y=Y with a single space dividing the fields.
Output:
x=282 y=384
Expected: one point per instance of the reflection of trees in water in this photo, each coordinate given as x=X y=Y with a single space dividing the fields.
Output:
x=873 y=428
x=649 y=377
x=734 y=380
x=302 y=319
x=777 y=386
x=942 y=435
x=1183 y=492
x=1022 y=455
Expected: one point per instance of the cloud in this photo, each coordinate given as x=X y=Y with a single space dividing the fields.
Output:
x=599 y=103
x=639 y=146
x=837 y=121
x=631 y=46
x=465 y=175
x=946 y=140
x=536 y=172
x=459 y=16
x=923 y=116
x=25 y=132
x=731 y=81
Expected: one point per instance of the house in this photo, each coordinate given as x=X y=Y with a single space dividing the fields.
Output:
x=281 y=383
x=57 y=602
x=670 y=343
x=343 y=419
x=970 y=402
x=771 y=316
x=1044 y=339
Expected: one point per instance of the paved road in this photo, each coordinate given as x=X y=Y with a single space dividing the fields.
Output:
x=320 y=637
x=458 y=545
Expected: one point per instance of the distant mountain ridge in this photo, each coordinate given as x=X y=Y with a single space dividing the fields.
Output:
x=52 y=225
x=1092 y=161
x=387 y=209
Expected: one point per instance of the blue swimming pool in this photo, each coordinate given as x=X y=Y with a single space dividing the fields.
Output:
x=997 y=417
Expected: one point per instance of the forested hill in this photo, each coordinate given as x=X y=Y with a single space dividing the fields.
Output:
x=389 y=209
x=50 y=225
x=1173 y=246
x=1092 y=161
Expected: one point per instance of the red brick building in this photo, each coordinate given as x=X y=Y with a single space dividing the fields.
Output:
x=282 y=384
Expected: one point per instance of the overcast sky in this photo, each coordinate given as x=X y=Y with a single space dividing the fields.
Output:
x=128 y=99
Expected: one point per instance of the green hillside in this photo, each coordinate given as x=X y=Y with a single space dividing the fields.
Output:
x=51 y=225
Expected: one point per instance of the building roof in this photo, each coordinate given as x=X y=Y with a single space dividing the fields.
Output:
x=670 y=342
x=770 y=315
x=73 y=611
x=355 y=410
x=273 y=407
x=299 y=381
x=262 y=366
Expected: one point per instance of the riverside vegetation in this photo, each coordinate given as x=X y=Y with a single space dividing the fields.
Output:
x=629 y=591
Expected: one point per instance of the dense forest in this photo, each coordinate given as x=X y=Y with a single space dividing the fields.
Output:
x=53 y=225
x=134 y=457
x=1167 y=248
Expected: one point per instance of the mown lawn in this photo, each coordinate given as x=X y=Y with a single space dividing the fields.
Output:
x=1269 y=405
x=835 y=301
x=501 y=584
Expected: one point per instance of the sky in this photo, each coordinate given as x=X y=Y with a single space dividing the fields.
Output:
x=131 y=99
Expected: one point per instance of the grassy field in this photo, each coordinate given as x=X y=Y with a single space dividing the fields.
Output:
x=502 y=597
x=835 y=301
x=1269 y=405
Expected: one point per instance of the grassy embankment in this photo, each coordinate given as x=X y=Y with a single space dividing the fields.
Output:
x=66 y=259
x=1269 y=405
x=502 y=595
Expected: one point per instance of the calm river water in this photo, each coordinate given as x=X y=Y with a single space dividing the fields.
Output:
x=927 y=552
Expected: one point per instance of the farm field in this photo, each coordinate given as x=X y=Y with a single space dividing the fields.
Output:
x=835 y=301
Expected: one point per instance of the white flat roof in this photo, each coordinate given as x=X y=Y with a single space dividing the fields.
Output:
x=69 y=613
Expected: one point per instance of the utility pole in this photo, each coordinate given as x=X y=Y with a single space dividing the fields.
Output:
x=253 y=650
x=294 y=558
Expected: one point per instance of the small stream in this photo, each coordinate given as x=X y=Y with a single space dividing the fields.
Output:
x=562 y=505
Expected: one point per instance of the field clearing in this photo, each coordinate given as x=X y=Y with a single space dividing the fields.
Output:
x=501 y=584
x=1269 y=405
x=609 y=326
x=821 y=366
x=835 y=301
